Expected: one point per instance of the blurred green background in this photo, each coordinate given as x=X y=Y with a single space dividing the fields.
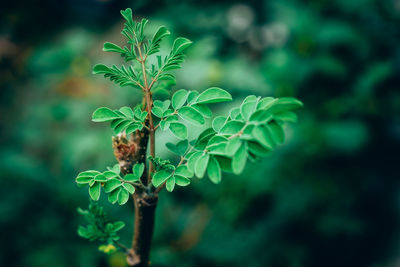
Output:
x=328 y=197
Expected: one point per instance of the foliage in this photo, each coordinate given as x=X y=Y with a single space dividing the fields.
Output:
x=249 y=132
x=100 y=227
x=320 y=196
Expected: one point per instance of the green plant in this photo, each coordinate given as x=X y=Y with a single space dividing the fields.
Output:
x=249 y=132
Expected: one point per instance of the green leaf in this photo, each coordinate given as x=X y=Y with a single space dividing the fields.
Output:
x=178 y=129
x=160 y=177
x=130 y=188
x=193 y=159
x=127 y=14
x=203 y=109
x=266 y=102
x=232 y=146
x=239 y=160
x=90 y=173
x=113 y=196
x=263 y=136
x=154 y=46
x=257 y=149
x=94 y=191
x=218 y=122
x=235 y=114
x=213 y=95
x=179 y=98
x=181 y=180
x=137 y=172
x=179 y=148
x=104 y=114
x=192 y=96
x=170 y=184
x=100 y=178
x=122 y=126
x=232 y=127
x=247 y=108
x=214 y=171
x=118 y=226
x=191 y=115
x=261 y=116
x=180 y=44
x=277 y=132
x=83 y=179
x=203 y=138
x=287 y=116
x=110 y=47
x=157 y=111
x=201 y=165
x=111 y=185
x=123 y=196
x=184 y=171
x=285 y=104
x=127 y=111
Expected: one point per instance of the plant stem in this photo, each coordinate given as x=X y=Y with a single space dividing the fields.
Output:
x=145 y=207
x=149 y=104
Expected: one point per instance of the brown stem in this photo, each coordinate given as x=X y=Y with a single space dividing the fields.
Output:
x=145 y=208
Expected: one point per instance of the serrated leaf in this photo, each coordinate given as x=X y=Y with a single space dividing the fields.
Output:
x=179 y=98
x=214 y=171
x=104 y=114
x=201 y=165
x=94 y=191
x=191 y=115
x=213 y=95
x=170 y=184
x=160 y=177
x=178 y=129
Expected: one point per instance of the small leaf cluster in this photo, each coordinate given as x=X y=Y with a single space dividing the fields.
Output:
x=118 y=188
x=124 y=119
x=189 y=106
x=99 y=227
x=249 y=132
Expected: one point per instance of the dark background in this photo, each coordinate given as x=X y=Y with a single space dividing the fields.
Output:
x=328 y=197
